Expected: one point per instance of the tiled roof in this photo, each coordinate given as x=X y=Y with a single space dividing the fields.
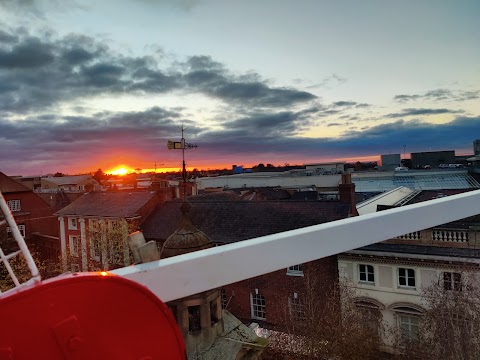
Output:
x=67 y=180
x=436 y=194
x=231 y=221
x=108 y=204
x=8 y=185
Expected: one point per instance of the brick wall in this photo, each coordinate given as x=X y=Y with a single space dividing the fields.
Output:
x=277 y=287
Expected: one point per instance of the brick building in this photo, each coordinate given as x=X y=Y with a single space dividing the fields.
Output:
x=226 y=218
x=33 y=215
x=93 y=229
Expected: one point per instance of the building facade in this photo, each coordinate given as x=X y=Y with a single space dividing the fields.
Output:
x=391 y=279
x=93 y=229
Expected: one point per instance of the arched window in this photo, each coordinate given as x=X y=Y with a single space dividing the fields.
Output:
x=371 y=311
x=408 y=318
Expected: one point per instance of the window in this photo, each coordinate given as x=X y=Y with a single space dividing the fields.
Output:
x=72 y=223
x=75 y=268
x=95 y=249
x=258 y=306
x=297 y=308
x=409 y=326
x=74 y=245
x=21 y=228
x=14 y=205
x=194 y=318
x=295 y=270
x=213 y=312
x=366 y=274
x=223 y=295
x=452 y=281
x=406 y=278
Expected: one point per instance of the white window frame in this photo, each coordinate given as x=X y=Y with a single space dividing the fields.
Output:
x=366 y=273
x=297 y=308
x=257 y=305
x=408 y=324
x=21 y=228
x=295 y=270
x=72 y=223
x=14 y=205
x=407 y=277
x=74 y=243
x=93 y=254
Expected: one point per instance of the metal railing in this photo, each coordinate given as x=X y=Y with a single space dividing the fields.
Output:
x=23 y=249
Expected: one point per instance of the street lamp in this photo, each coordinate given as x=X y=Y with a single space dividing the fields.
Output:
x=404 y=146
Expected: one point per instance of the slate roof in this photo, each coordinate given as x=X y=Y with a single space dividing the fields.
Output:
x=422 y=250
x=436 y=194
x=67 y=180
x=227 y=221
x=8 y=185
x=108 y=204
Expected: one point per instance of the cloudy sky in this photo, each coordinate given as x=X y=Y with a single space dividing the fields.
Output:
x=87 y=84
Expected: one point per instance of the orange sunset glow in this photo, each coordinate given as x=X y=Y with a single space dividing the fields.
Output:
x=119 y=171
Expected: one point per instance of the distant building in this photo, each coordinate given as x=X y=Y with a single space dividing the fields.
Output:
x=237 y=169
x=390 y=162
x=77 y=183
x=334 y=167
x=432 y=158
x=32 y=182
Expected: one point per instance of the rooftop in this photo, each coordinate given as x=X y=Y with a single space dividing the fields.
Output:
x=227 y=219
x=8 y=185
x=67 y=180
x=108 y=204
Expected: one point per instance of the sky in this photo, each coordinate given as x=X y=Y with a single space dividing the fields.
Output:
x=90 y=84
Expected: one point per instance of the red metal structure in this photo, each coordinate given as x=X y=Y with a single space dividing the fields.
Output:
x=87 y=316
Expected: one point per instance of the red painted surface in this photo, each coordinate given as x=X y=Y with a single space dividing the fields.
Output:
x=87 y=316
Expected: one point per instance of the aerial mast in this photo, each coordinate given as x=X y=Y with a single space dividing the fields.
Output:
x=173 y=145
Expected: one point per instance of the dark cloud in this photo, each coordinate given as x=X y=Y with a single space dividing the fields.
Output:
x=344 y=103
x=418 y=112
x=363 y=105
x=39 y=72
x=440 y=95
x=31 y=53
x=210 y=77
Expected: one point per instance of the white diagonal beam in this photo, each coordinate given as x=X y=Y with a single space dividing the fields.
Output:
x=199 y=271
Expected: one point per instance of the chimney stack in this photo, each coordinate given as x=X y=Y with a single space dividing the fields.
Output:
x=346 y=190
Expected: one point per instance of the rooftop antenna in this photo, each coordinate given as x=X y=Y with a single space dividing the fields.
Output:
x=172 y=145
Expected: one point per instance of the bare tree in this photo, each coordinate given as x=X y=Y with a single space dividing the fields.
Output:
x=47 y=268
x=450 y=328
x=106 y=246
x=326 y=322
